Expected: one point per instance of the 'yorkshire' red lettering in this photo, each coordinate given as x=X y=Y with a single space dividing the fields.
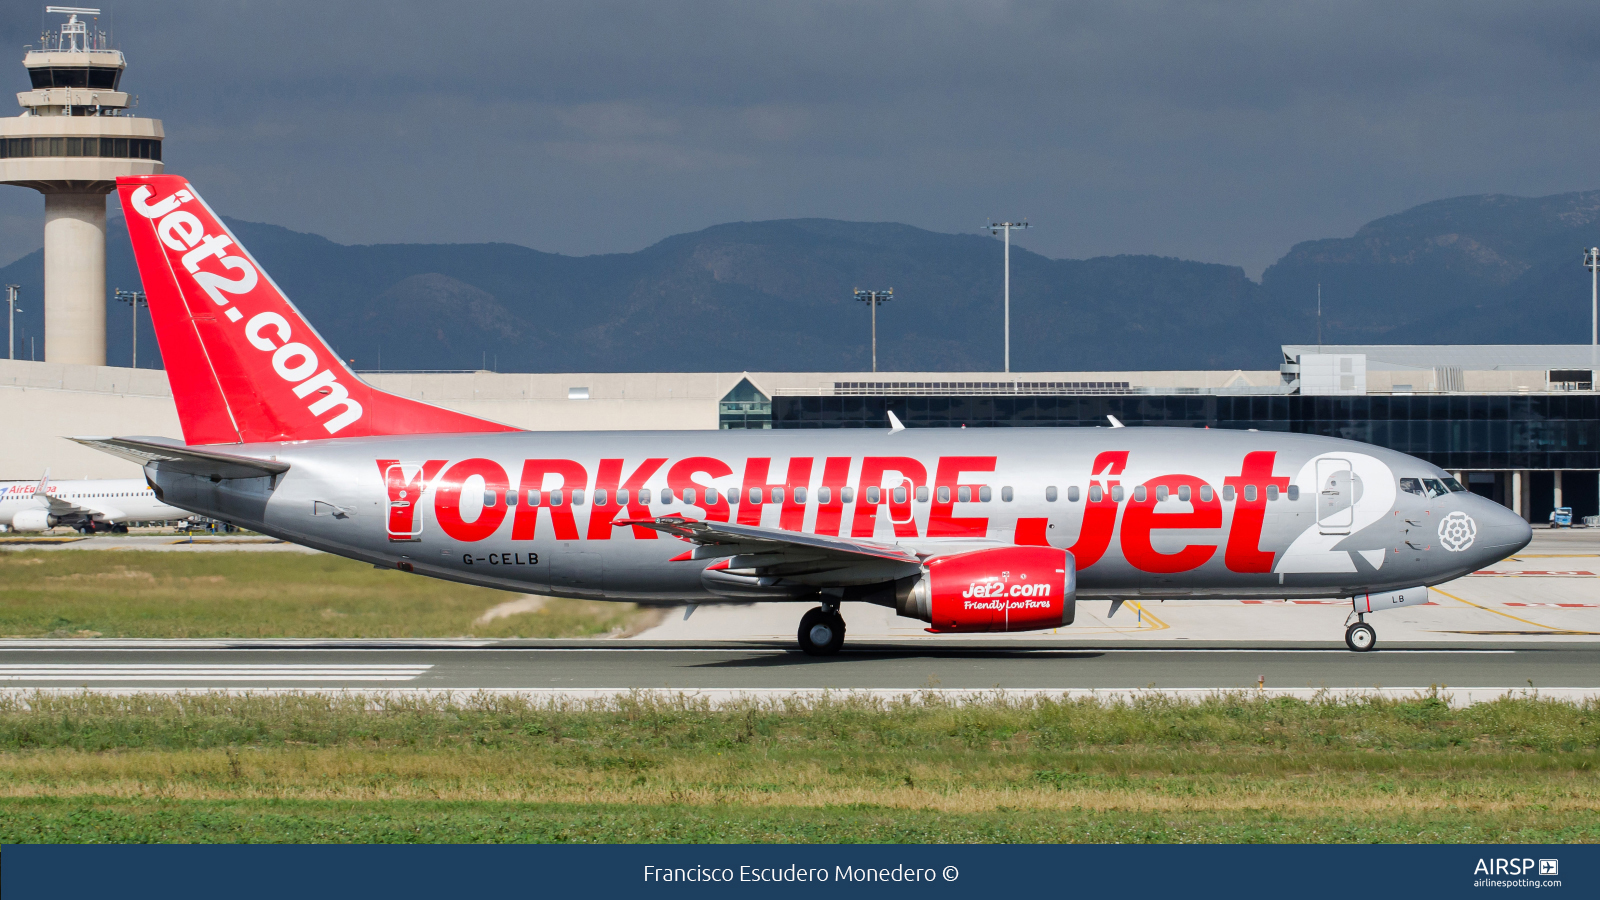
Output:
x=447 y=500
x=534 y=471
x=798 y=475
x=405 y=495
x=606 y=479
x=681 y=478
x=873 y=472
x=941 y=519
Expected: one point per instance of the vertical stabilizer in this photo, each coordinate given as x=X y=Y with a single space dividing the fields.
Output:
x=245 y=366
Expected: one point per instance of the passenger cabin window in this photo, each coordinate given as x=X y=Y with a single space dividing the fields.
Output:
x=622 y=496
x=1272 y=492
x=733 y=498
x=577 y=496
x=900 y=494
x=1412 y=486
x=964 y=494
x=922 y=494
x=755 y=495
x=1205 y=493
x=1005 y=494
x=1072 y=494
x=1117 y=493
x=800 y=495
x=666 y=495
x=1250 y=493
x=777 y=495
x=1050 y=494
x=944 y=494
x=1294 y=492
x=1227 y=493
x=533 y=498
x=711 y=496
x=984 y=494
x=824 y=495
x=511 y=498
x=1139 y=494
x=556 y=499
x=488 y=498
x=1161 y=492
x=847 y=495
x=1435 y=487
x=1183 y=493
x=688 y=496
x=872 y=495
x=1096 y=494
x=600 y=497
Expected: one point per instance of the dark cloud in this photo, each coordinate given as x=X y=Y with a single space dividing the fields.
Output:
x=1221 y=132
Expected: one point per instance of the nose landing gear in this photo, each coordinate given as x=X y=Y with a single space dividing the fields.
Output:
x=821 y=631
x=1360 y=637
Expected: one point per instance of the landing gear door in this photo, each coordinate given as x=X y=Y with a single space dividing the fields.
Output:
x=404 y=484
x=1335 y=496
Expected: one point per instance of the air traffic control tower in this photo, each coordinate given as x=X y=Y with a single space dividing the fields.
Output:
x=73 y=139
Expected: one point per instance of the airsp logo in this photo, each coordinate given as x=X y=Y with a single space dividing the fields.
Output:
x=1457 y=532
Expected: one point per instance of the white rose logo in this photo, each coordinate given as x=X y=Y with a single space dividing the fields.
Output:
x=1457 y=531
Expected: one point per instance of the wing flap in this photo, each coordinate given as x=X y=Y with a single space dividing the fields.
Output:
x=739 y=539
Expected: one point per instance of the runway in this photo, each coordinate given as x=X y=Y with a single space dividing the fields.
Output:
x=587 y=667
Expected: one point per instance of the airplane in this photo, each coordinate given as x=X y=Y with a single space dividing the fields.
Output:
x=970 y=531
x=103 y=504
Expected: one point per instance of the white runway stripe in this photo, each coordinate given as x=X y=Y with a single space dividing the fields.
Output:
x=200 y=672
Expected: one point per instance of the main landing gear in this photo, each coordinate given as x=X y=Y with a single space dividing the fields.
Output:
x=1360 y=637
x=821 y=631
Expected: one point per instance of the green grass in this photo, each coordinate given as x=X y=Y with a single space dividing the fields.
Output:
x=153 y=594
x=650 y=768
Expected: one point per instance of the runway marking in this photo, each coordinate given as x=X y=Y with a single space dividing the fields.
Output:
x=1547 y=628
x=199 y=672
x=1556 y=605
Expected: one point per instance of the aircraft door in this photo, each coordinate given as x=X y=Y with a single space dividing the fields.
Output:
x=901 y=512
x=575 y=573
x=1335 y=496
x=404 y=484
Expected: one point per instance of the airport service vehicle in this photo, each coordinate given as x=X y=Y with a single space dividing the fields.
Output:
x=976 y=530
x=93 y=505
x=1561 y=517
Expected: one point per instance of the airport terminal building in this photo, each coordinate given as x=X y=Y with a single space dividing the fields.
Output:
x=1519 y=424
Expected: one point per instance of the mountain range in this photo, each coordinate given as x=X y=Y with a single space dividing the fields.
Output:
x=777 y=295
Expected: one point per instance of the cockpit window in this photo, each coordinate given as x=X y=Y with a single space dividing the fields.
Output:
x=1435 y=487
x=1412 y=485
x=1454 y=485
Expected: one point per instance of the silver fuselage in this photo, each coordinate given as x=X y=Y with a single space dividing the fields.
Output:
x=1338 y=522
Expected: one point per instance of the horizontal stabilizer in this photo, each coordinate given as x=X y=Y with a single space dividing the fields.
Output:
x=172 y=456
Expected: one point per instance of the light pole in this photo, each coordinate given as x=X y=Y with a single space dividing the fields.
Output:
x=12 y=290
x=1591 y=259
x=996 y=228
x=874 y=298
x=134 y=299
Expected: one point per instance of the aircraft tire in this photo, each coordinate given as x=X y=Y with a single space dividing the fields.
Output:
x=1360 y=637
x=821 y=632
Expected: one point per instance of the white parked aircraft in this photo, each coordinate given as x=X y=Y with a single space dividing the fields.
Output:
x=95 y=505
x=972 y=530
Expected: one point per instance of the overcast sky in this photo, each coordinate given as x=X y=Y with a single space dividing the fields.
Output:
x=1223 y=132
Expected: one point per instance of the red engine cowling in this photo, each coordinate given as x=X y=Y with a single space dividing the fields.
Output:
x=1001 y=589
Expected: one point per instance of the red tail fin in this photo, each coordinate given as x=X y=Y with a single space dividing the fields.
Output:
x=244 y=365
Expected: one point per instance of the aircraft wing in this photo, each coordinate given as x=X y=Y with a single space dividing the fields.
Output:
x=178 y=457
x=748 y=539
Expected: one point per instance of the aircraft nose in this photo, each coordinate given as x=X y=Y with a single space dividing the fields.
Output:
x=1499 y=529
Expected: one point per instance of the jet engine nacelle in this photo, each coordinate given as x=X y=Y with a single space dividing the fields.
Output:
x=32 y=520
x=1001 y=589
x=1371 y=603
